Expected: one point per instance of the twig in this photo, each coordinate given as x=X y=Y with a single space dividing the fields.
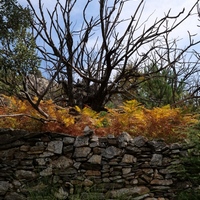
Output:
x=25 y=115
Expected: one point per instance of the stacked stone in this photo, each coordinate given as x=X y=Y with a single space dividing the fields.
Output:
x=106 y=167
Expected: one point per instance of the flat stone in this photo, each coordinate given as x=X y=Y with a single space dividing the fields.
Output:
x=55 y=147
x=25 y=174
x=94 y=144
x=139 y=141
x=106 y=180
x=46 y=154
x=4 y=186
x=146 y=178
x=24 y=148
x=95 y=159
x=68 y=149
x=46 y=172
x=82 y=152
x=92 y=173
x=115 y=177
x=126 y=171
x=133 y=149
x=81 y=141
x=160 y=188
x=68 y=140
x=134 y=181
x=97 y=150
x=94 y=138
x=77 y=165
x=156 y=160
x=88 y=183
x=124 y=139
x=175 y=146
x=148 y=171
x=111 y=152
x=36 y=150
x=62 y=163
x=158 y=145
x=16 y=183
x=42 y=161
x=26 y=162
x=127 y=158
x=161 y=182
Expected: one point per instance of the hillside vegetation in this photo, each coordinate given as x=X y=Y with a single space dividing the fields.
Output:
x=160 y=122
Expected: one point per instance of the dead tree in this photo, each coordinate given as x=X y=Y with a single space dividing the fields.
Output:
x=97 y=48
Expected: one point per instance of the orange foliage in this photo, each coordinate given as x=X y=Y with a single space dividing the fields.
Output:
x=133 y=118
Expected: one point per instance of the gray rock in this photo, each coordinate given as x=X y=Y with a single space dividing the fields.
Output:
x=94 y=138
x=77 y=165
x=25 y=174
x=161 y=182
x=24 y=147
x=81 y=141
x=156 y=160
x=124 y=139
x=62 y=163
x=139 y=141
x=55 y=147
x=46 y=172
x=128 y=159
x=36 y=150
x=175 y=146
x=68 y=140
x=16 y=183
x=42 y=161
x=46 y=154
x=133 y=149
x=87 y=131
x=82 y=152
x=159 y=145
x=111 y=152
x=4 y=186
x=95 y=159
x=88 y=183
x=126 y=171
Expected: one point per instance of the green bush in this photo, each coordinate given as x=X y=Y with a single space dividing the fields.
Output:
x=191 y=166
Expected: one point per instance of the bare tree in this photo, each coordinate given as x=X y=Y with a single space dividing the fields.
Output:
x=169 y=76
x=91 y=72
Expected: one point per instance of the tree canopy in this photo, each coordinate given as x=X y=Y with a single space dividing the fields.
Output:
x=18 y=57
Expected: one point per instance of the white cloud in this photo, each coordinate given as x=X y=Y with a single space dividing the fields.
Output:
x=157 y=8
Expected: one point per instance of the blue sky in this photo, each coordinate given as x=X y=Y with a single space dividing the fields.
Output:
x=155 y=7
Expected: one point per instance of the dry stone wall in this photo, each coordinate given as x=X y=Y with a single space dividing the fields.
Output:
x=88 y=167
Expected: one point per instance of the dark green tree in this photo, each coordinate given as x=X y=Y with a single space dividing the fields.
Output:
x=164 y=78
x=19 y=62
x=17 y=47
x=158 y=89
